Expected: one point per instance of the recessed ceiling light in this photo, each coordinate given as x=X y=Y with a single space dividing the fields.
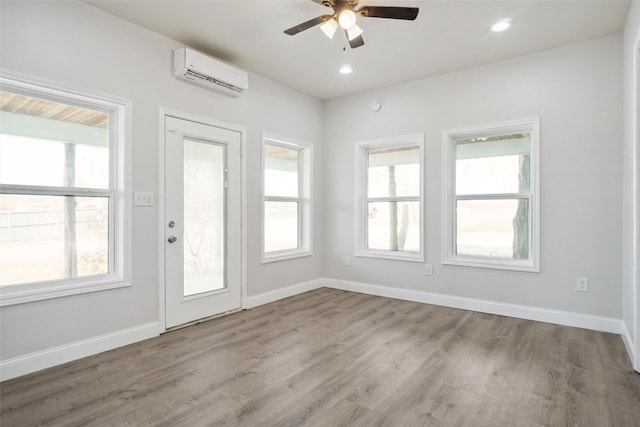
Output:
x=500 y=26
x=346 y=69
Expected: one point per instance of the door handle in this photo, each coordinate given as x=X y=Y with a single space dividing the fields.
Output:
x=172 y=239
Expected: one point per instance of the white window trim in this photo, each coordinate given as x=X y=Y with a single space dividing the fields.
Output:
x=449 y=136
x=361 y=199
x=120 y=213
x=305 y=214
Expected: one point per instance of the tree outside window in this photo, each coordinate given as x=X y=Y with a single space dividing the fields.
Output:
x=390 y=188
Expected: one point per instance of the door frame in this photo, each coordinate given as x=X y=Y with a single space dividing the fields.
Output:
x=635 y=264
x=163 y=114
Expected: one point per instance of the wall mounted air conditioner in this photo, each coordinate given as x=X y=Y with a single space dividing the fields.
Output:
x=209 y=72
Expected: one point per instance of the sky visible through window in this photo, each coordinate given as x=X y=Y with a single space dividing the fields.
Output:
x=32 y=227
x=494 y=167
x=30 y=161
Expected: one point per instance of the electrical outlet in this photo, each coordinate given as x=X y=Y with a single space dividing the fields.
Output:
x=347 y=261
x=583 y=284
x=428 y=269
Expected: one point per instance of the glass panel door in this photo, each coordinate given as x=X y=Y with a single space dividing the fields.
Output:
x=204 y=217
x=202 y=221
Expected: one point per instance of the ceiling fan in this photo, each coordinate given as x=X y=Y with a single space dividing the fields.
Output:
x=344 y=16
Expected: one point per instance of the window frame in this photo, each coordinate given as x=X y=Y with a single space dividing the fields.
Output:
x=362 y=199
x=304 y=198
x=449 y=138
x=119 y=193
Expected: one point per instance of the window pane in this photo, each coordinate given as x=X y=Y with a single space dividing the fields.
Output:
x=493 y=228
x=280 y=171
x=52 y=237
x=280 y=226
x=63 y=145
x=493 y=165
x=394 y=226
x=393 y=172
x=204 y=217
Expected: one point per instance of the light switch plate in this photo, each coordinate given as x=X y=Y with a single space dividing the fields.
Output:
x=143 y=198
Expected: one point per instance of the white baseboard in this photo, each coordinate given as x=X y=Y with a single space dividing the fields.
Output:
x=567 y=318
x=22 y=365
x=278 y=294
x=628 y=343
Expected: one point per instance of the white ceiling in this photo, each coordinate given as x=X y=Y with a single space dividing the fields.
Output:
x=447 y=36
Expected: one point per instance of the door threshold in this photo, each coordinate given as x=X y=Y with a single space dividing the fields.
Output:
x=204 y=319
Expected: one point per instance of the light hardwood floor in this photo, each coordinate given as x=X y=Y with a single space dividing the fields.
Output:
x=335 y=358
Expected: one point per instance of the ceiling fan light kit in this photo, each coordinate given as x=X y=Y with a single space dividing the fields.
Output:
x=345 y=15
x=354 y=32
x=329 y=27
x=347 y=18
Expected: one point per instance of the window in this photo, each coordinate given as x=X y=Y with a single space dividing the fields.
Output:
x=390 y=180
x=491 y=196
x=62 y=210
x=286 y=207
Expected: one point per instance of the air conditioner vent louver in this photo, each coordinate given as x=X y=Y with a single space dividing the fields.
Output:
x=209 y=72
x=194 y=75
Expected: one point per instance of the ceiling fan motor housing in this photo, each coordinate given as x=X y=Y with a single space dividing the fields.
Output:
x=334 y=3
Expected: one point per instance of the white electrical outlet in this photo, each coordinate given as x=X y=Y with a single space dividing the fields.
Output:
x=347 y=261
x=143 y=198
x=428 y=270
x=583 y=284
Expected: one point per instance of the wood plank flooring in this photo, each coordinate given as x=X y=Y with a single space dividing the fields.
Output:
x=335 y=358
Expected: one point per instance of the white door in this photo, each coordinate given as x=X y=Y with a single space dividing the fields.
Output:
x=202 y=212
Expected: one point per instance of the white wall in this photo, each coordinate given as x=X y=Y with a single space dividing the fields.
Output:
x=76 y=44
x=630 y=115
x=577 y=93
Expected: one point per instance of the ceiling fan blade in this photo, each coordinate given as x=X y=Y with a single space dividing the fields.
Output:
x=306 y=25
x=393 y=12
x=357 y=42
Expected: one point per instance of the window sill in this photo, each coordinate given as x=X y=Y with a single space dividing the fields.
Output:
x=30 y=292
x=491 y=264
x=392 y=255
x=285 y=255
